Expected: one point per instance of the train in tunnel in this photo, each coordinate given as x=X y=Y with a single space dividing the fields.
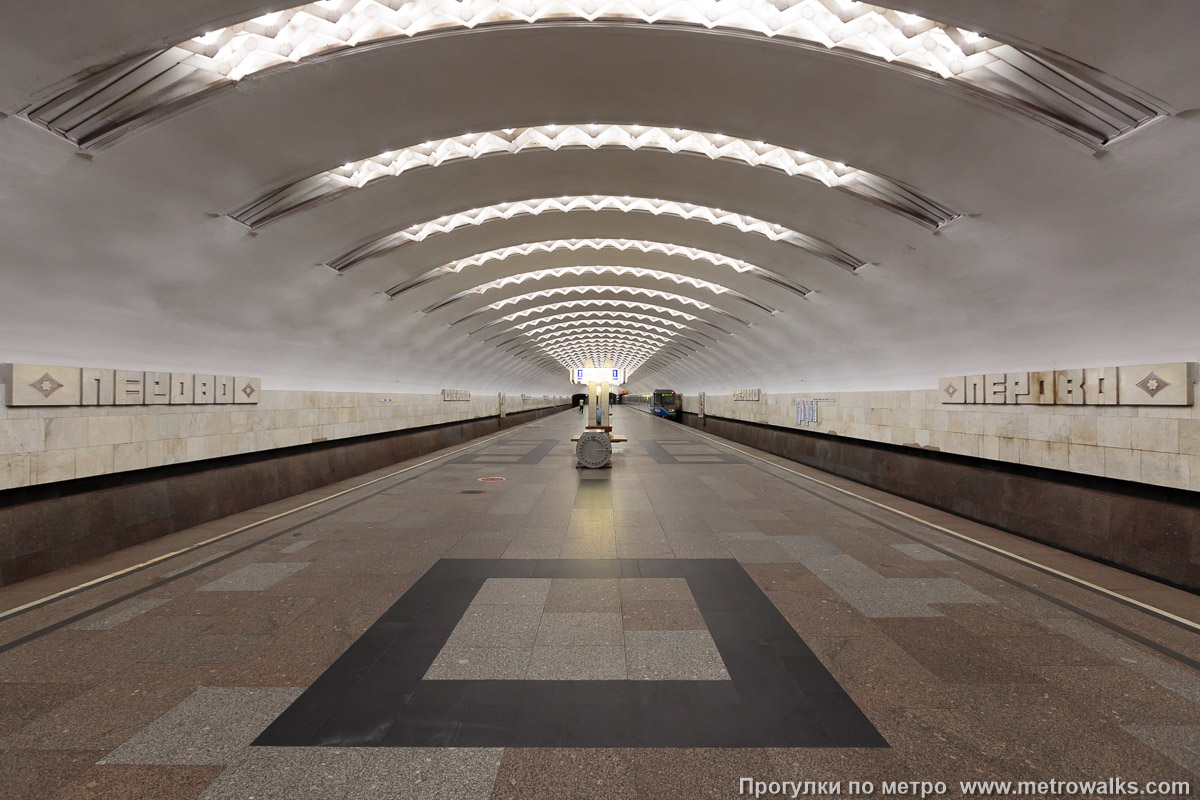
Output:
x=667 y=403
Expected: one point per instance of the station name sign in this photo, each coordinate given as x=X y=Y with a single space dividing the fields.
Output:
x=749 y=395
x=1140 y=385
x=455 y=395
x=47 y=385
x=598 y=375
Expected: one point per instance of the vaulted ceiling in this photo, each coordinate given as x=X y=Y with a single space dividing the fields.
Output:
x=404 y=196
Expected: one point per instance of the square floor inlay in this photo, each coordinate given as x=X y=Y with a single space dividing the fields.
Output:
x=577 y=653
x=508 y=633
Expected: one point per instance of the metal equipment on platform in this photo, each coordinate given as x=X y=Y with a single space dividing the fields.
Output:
x=593 y=449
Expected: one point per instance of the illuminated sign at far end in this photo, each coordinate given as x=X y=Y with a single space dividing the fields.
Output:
x=598 y=375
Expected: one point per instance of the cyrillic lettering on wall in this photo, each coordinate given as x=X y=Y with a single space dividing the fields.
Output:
x=131 y=388
x=158 y=388
x=99 y=386
x=49 y=385
x=1140 y=385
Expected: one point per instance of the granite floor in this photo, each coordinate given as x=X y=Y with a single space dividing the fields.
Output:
x=698 y=614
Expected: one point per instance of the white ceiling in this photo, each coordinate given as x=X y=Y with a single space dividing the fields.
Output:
x=1068 y=258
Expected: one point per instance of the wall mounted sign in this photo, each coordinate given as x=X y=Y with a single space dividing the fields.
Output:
x=49 y=385
x=751 y=395
x=598 y=375
x=807 y=409
x=1141 y=385
x=455 y=395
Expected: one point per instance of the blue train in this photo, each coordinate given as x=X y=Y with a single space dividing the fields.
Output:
x=666 y=403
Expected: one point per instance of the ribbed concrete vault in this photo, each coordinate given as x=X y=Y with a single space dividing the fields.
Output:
x=1064 y=254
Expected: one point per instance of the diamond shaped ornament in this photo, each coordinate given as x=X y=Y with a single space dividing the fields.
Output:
x=1152 y=384
x=46 y=385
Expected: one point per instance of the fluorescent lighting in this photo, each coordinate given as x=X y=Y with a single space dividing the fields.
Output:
x=574 y=317
x=612 y=323
x=599 y=303
x=128 y=99
x=634 y=290
x=859 y=27
x=622 y=245
x=640 y=245
x=620 y=271
x=505 y=211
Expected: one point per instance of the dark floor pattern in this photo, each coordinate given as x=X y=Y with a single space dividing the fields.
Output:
x=779 y=695
x=687 y=452
x=516 y=451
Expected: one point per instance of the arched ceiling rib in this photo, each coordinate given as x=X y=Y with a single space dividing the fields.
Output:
x=596 y=304
x=517 y=342
x=594 y=203
x=639 y=344
x=651 y=346
x=576 y=245
x=606 y=289
x=607 y=324
x=98 y=109
x=628 y=326
x=610 y=317
x=334 y=182
x=585 y=334
x=628 y=354
x=602 y=270
x=573 y=318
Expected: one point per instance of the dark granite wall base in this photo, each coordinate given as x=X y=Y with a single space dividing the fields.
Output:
x=44 y=528
x=1148 y=529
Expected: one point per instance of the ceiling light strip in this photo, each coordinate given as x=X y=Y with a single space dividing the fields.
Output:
x=601 y=329
x=553 y=321
x=519 y=342
x=625 y=339
x=608 y=322
x=101 y=105
x=566 y=338
x=605 y=289
x=599 y=305
x=615 y=349
x=612 y=347
x=582 y=271
x=574 y=245
x=612 y=317
x=337 y=181
x=505 y=211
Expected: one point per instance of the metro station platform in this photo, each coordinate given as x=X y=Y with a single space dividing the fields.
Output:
x=699 y=614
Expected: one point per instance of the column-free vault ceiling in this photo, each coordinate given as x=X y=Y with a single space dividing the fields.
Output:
x=402 y=196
